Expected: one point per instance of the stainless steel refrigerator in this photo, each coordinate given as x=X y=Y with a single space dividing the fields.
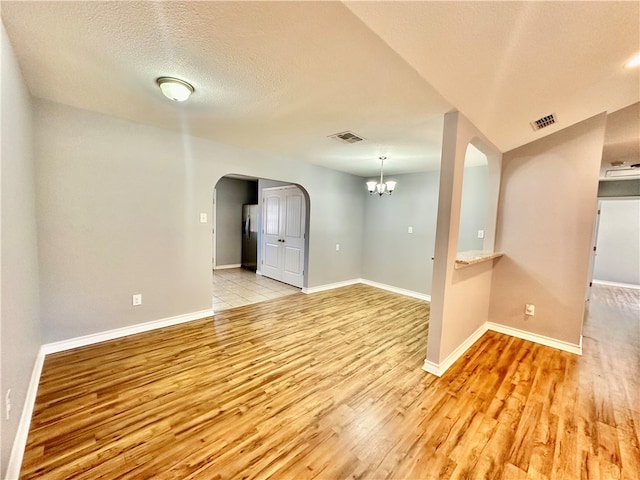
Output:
x=250 y=237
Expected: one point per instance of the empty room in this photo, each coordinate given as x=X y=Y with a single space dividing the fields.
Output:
x=320 y=240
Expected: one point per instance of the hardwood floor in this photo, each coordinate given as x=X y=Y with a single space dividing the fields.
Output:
x=330 y=386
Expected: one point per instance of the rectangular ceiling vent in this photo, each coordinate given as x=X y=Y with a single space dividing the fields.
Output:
x=623 y=172
x=346 y=137
x=544 y=121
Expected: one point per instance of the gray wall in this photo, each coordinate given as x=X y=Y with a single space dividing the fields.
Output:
x=119 y=206
x=619 y=188
x=548 y=203
x=20 y=314
x=473 y=210
x=231 y=194
x=390 y=255
x=266 y=183
x=618 y=253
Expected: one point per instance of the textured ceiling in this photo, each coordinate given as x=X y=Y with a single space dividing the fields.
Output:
x=280 y=77
x=506 y=64
x=283 y=76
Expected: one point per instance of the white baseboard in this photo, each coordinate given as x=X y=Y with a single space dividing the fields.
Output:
x=534 y=337
x=439 y=369
x=371 y=283
x=20 y=440
x=401 y=291
x=330 y=286
x=225 y=267
x=123 y=332
x=258 y=272
x=616 y=284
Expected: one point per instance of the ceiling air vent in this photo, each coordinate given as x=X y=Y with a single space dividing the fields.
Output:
x=623 y=172
x=346 y=137
x=544 y=121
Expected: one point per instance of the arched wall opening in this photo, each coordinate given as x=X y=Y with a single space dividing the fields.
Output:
x=481 y=189
x=473 y=205
x=238 y=231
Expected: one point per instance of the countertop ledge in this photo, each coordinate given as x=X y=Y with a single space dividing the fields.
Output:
x=464 y=259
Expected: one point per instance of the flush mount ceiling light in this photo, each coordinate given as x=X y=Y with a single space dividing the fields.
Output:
x=634 y=62
x=382 y=187
x=175 y=89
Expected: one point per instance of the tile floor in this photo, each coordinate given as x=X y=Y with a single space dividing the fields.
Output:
x=235 y=287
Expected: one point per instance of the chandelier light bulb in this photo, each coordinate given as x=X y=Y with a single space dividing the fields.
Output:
x=391 y=185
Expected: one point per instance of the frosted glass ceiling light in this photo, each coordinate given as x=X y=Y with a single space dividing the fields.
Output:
x=382 y=187
x=175 y=89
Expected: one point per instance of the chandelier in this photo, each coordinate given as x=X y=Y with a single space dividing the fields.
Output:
x=382 y=187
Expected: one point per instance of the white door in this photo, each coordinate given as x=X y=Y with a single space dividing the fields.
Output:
x=283 y=234
x=271 y=239
x=213 y=233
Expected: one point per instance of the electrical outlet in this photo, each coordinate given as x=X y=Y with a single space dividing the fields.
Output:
x=337 y=247
x=480 y=233
x=7 y=404
x=136 y=299
x=203 y=218
x=529 y=310
x=409 y=229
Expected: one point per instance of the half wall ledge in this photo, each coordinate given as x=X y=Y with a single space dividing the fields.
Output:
x=471 y=257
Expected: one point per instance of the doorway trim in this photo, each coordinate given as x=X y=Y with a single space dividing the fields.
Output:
x=594 y=246
x=214 y=229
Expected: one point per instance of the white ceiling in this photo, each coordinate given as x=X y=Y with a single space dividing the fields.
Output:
x=283 y=76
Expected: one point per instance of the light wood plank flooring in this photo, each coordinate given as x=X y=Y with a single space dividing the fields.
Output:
x=330 y=386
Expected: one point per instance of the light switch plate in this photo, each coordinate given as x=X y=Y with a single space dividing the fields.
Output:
x=203 y=218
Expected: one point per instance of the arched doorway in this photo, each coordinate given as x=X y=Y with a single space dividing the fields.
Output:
x=237 y=279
